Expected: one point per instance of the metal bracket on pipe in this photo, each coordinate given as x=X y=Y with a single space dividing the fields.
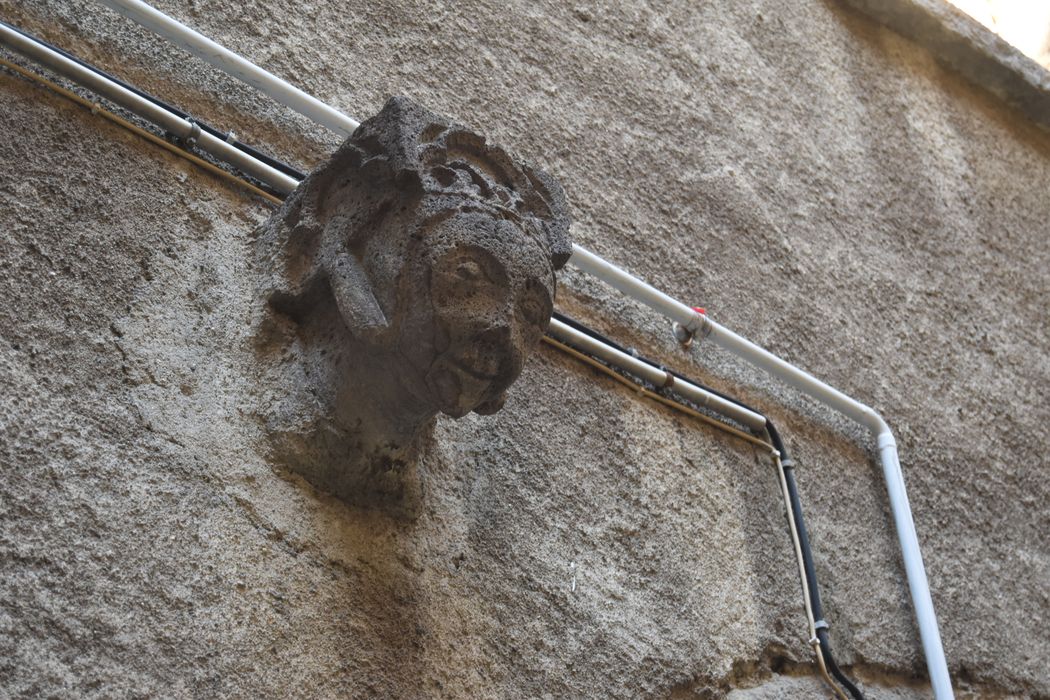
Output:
x=687 y=333
x=683 y=336
x=189 y=141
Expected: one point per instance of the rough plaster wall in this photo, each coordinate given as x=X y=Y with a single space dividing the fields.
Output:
x=818 y=183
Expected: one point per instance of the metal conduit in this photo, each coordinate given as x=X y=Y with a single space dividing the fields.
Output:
x=656 y=376
x=182 y=128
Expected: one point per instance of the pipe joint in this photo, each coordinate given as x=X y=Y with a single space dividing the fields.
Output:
x=189 y=141
x=697 y=325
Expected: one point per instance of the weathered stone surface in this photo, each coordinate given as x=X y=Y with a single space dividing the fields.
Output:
x=962 y=44
x=817 y=182
x=410 y=274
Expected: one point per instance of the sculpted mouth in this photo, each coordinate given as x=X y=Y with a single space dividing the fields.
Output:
x=467 y=368
x=458 y=386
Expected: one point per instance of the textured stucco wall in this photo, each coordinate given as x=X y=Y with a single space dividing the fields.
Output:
x=818 y=183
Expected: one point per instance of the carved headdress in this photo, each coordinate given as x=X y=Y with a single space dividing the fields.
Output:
x=418 y=154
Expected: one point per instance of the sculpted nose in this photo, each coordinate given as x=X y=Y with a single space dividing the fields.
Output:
x=498 y=348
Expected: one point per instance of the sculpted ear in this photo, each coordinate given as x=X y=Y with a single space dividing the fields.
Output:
x=354 y=297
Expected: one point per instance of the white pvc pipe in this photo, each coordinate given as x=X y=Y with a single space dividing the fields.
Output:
x=225 y=60
x=654 y=375
x=699 y=323
x=633 y=287
x=144 y=108
x=668 y=306
x=763 y=359
x=932 y=647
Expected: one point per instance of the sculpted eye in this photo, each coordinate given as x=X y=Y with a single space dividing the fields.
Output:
x=469 y=271
x=467 y=274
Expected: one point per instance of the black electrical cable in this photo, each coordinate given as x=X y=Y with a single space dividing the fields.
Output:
x=807 y=562
x=569 y=321
x=813 y=589
x=228 y=138
x=829 y=661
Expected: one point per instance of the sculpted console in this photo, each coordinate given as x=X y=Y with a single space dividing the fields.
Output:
x=408 y=275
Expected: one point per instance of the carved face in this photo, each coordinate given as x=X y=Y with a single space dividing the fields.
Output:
x=480 y=294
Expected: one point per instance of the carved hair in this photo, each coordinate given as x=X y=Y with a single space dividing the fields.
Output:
x=428 y=161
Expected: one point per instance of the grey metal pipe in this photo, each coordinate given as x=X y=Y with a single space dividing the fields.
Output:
x=149 y=111
x=655 y=375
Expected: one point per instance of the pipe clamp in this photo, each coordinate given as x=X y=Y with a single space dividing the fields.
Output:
x=190 y=140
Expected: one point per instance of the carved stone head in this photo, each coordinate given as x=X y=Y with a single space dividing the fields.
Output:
x=410 y=274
